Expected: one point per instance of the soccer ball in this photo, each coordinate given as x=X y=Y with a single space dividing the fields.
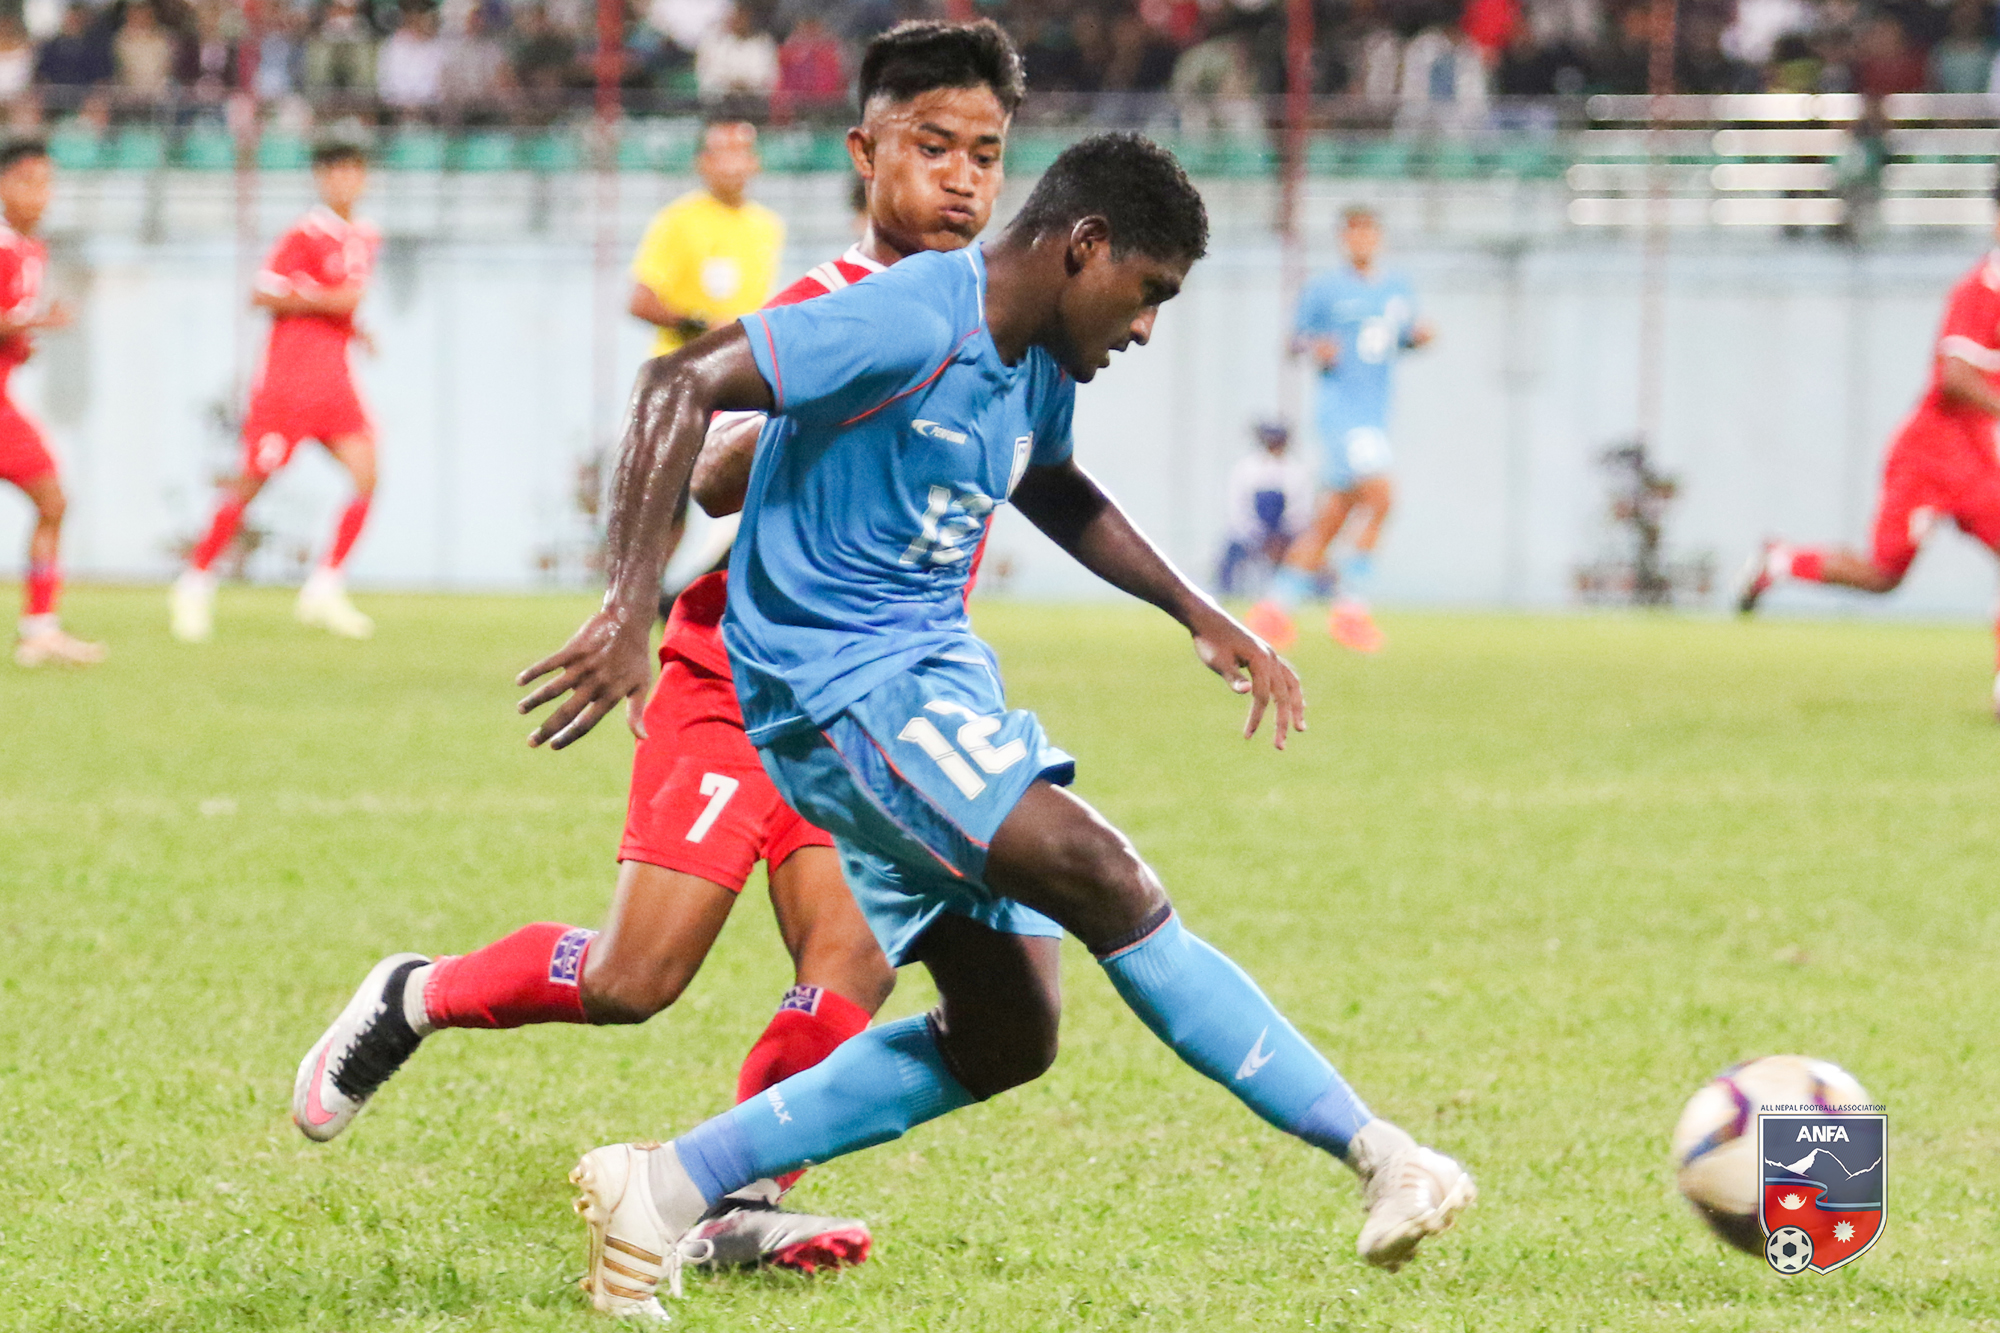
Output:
x=1715 y=1143
x=1789 y=1250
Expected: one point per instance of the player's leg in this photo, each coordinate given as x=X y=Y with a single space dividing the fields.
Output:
x=323 y=600
x=191 y=602
x=1295 y=581
x=1058 y=856
x=41 y=636
x=1904 y=516
x=661 y=927
x=1977 y=512
x=1351 y=623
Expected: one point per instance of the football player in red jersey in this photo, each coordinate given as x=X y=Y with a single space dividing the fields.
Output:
x=27 y=178
x=305 y=391
x=1943 y=463
x=937 y=99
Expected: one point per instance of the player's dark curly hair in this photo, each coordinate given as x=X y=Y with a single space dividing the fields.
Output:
x=335 y=151
x=20 y=150
x=1135 y=185
x=915 y=57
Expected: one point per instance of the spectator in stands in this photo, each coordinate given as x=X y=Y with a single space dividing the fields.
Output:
x=281 y=54
x=544 y=64
x=1049 y=53
x=737 y=60
x=1761 y=24
x=17 y=60
x=1796 y=66
x=409 y=72
x=77 y=57
x=1962 y=60
x=211 y=56
x=340 y=54
x=812 y=69
x=143 y=56
x=478 y=80
x=1215 y=86
x=686 y=22
x=1885 y=60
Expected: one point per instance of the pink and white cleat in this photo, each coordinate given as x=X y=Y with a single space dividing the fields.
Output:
x=1273 y=624
x=52 y=647
x=750 y=1230
x=1352 y=627
x=356 y=1055
x=1757 y=579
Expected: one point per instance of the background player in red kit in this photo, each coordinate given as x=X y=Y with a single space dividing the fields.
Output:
x=27 y=178
x=311 y=285
x=936 y=102
x=1942 y=465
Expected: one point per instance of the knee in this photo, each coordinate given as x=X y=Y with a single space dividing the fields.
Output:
x=618 y=990
x=51 y=505
x=988 y=1063
x=1103 y=859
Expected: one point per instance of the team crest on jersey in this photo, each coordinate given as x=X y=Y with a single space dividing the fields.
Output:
x=567 y=959
x=1822 y=1202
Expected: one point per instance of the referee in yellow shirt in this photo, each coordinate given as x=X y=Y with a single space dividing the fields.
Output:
x=712 y=254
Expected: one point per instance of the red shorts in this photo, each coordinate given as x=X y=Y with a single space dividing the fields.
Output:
x=23 y=456
x=1939 y=467
x=288 y=408
x=701 y=803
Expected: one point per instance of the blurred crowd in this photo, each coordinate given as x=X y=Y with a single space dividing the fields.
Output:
x=523 y=61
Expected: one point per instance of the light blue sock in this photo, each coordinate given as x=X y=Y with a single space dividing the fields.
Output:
x=1357 y=576
x=1291 y=586
x=872 y=1089
x=1212 y=1014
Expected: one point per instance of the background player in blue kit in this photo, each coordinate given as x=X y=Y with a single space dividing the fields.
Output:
x=1353 y=324
x=904 y=409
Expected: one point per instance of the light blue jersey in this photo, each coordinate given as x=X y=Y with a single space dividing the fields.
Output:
x=896 y=432
x=1371 y=322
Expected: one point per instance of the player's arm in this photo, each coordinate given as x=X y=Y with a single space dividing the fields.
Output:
x=1966 y=385
x=647 y=305
x=608 y=660
x=298 y=299
x=57 y=316
x=1067 y=504
x=722 y=469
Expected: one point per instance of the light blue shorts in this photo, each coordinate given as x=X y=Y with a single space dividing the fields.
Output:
x=913 y=781
x=1353 y=454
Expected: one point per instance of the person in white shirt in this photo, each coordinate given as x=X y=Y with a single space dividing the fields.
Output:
x=1270 y=499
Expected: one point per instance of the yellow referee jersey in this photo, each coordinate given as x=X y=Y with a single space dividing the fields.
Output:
x=702 y=257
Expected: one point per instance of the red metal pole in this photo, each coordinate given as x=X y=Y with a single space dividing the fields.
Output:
x=1298 y=109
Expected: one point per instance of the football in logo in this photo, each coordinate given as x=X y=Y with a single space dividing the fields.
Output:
x=1789 y=1250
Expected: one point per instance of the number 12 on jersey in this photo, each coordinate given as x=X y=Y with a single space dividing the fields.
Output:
x=975 y=738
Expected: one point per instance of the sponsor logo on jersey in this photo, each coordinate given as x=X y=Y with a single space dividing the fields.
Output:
x=1822 y=1203
x=937 y=432
x=567 y=959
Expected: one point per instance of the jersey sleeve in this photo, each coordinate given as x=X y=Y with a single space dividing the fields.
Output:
x=843 y=355
x=1971 y=331
x=290 y=268
x=657 y=262
x=1054 y=442
x=15 y=301
x=1315 y=314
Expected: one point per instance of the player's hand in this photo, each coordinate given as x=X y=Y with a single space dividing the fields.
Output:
x=59 y=315
x=605 y=663
x=690 y=327
x=1252 y=667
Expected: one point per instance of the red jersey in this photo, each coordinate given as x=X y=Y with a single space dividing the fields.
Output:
x=694 y=627
x=23 y=259
x=322 y=251
x=1971 y=333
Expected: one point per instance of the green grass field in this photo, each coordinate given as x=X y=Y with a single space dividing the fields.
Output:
x=1528 y=881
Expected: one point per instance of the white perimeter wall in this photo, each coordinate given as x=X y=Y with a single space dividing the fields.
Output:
x=1788 y=364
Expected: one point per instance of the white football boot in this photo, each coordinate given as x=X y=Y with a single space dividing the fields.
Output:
x=637 y=1240
x=1410 y=1192
x=748 y=1229
x=191 y=606
x=50 y=646
x=368 y=1042
x=323 y=602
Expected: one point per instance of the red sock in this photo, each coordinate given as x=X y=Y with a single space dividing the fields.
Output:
x=529 y=977
x=1809 y=564
x=44 y=586
x=228 y=517
x=810 y=1022
x=348 y=530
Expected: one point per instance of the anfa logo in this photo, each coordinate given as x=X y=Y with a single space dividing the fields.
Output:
x=1822 y=1204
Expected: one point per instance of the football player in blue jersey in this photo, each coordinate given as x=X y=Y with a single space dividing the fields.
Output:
x=1353 y=324
x=903 y=410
